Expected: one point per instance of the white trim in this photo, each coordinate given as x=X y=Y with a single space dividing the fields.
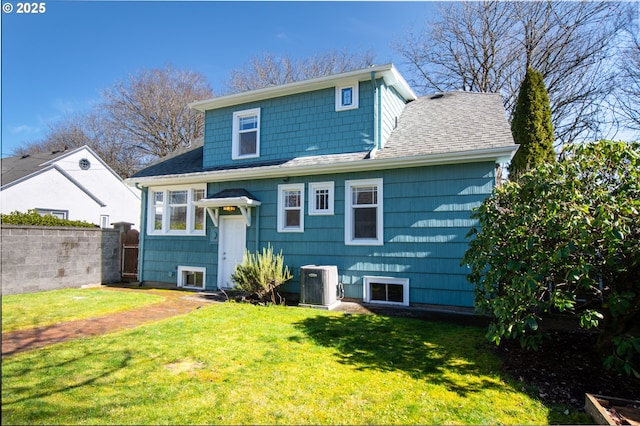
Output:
x=183 y=269
x=404 y=282
x=388 y=72
x=212 y=205
x=354 y=97
x=191 y=205
x=349 y=239
x=281 y=207
x=224 y=235
x=498 y=155
x=235 y=139
x=315 y=186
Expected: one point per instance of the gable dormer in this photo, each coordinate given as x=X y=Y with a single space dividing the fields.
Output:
x=338 y=114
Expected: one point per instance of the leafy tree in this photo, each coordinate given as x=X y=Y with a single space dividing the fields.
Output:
x=531 y=125
x=565 y=237
x=261 y=274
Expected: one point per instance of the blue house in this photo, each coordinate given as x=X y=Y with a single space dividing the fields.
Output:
x=352 y=170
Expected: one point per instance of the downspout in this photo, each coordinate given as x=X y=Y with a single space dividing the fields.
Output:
x=143 y=227
x=376 y=113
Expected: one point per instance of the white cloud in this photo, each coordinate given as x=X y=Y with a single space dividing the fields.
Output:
x=24 y=130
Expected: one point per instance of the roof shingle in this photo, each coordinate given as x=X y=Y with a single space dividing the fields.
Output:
x=449 y=122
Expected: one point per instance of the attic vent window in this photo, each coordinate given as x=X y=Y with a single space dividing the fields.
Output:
x=437 y=96
x=84 y=164
x=347 y=97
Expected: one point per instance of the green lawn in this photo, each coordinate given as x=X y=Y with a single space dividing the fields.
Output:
x=31 y=310
x=241 y=364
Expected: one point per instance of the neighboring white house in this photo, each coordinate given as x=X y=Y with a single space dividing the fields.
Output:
x=71 y=184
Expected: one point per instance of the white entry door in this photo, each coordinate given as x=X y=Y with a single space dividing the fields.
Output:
x=231 y=247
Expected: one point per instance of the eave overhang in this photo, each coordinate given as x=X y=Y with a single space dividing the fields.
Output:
x=498 y=155
x=213 y=206
x=388 y=72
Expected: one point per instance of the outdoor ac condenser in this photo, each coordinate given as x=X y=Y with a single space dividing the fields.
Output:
x=319 y=286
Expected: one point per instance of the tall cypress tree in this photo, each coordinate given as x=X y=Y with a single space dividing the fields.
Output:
x=531 y=126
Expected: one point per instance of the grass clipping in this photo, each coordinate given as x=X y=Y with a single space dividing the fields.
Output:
x=260 y=274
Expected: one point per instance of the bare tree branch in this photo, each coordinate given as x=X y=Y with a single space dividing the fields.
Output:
x=487 y=47
x=270 y=70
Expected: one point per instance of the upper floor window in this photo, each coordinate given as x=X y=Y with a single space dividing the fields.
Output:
x=347 y=97
x=363 y=212
x=171 y=211
x=321 y=198
x=291 y=208
x=246 y=134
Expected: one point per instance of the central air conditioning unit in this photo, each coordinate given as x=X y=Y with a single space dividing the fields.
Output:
x=319 y=287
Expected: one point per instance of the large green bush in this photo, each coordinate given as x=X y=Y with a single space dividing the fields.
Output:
x=33 y=218
x=261 y=274
x=565 y=237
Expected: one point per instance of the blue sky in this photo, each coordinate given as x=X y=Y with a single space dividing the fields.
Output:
x=58 y=62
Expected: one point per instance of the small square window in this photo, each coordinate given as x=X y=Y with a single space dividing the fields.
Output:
x=321 y=198
x=347 y=97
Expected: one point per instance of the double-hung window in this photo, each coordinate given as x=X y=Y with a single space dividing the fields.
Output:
x=364 y=212
x=178 y=210
x=171 y=211
x=246 y=134
x=291 y=208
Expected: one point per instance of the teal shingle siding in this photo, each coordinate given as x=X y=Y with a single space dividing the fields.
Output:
x=294 y=126
x=426 y=218
x=392 y=106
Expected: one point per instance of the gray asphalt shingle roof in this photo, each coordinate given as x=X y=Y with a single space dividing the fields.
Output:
x=15 y=168
x=449 y=122
x=453 y=122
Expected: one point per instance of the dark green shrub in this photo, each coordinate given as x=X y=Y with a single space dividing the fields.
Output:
x=531 y=126
x=565 y=237
x=33 y=218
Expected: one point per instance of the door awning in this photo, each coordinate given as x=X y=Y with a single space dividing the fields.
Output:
x=229 y=199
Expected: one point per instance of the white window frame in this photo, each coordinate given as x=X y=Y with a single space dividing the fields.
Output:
x=165 y=206
x=349 y=238
x=313 y=207
x=404 y=282
x=282 y=190
x=340 y=105
x=60 y=214
x=235 y=149
x=181 y=273
x=104 y=221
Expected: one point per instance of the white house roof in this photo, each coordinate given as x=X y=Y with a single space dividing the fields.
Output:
x=388 y=72
x=19 y=168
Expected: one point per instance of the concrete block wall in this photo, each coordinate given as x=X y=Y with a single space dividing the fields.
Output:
x=37 y=258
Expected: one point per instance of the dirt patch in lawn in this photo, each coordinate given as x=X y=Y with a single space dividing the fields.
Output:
x=565 y=368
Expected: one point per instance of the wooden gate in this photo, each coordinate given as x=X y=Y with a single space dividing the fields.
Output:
x=129 y=242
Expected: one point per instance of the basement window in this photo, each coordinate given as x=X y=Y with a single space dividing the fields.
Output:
x=386 y=290
x=191 y=277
